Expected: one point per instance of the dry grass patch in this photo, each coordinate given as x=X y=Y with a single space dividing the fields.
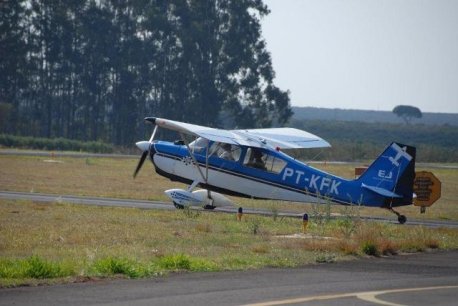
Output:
x=104 y=177
x=203 y=228
x=111 y=177
x=261 y=248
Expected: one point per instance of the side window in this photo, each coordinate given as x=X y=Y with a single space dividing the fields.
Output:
x=255 y=158
x=236 y=152
x=274 y=164
x=225 y=151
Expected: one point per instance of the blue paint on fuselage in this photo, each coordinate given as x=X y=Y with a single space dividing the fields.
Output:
x=295 y=176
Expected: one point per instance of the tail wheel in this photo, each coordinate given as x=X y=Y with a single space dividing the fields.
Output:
x=210 y=207
x=401 y=218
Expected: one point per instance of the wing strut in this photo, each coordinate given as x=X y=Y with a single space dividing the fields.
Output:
x=205 y=178
x=193 y=185
x=209 y=196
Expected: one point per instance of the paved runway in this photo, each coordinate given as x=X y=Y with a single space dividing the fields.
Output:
x=50 y=198
x=25 y=152
x=419 y=279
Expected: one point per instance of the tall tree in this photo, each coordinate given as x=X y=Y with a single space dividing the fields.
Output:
x=91 y=69
x=251 y=96
x=13 y=51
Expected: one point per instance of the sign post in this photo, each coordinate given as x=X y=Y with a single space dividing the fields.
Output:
x=305 y=221
x=427 y=188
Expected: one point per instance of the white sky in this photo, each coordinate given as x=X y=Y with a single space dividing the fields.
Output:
x=365 y=54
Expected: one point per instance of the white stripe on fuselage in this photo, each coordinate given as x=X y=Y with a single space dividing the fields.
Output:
x=225 y=180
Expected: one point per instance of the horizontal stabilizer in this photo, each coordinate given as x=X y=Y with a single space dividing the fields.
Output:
x=382 y=191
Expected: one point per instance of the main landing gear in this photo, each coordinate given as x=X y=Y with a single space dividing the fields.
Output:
x=180 y=206
x=401 y=218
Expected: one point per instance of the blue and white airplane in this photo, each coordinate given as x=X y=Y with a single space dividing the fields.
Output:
x=252 y=163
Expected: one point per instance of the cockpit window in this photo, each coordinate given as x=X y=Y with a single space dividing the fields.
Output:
x=199 y=145
x=225 y=151
x=274 y=164
x=254 y=158
x=258 y=159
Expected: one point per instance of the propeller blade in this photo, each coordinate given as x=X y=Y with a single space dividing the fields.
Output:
x=140 y=163
x=145 y=147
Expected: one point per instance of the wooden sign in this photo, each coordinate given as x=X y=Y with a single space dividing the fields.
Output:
x=427 y=187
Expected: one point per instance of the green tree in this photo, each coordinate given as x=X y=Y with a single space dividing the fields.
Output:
x=13 y=51
x=247 y=81
x=91 y=69
x=5 y=114
x=407 y=112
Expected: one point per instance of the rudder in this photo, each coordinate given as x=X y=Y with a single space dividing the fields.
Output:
x=392 y=175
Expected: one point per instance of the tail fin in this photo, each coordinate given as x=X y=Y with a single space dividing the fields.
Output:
x=392 y=175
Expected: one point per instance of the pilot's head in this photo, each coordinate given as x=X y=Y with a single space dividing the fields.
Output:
x=257 y=153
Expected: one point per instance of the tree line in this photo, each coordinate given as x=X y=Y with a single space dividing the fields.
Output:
x=353 y=141
x=92 y=69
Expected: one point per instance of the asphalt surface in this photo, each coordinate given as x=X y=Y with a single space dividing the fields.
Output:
x=97 y=201
x=419 y=279
x=53 y=154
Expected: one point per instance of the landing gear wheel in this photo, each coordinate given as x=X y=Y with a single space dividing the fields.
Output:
x=178 y=206
x=402 y=219
x=210 y=207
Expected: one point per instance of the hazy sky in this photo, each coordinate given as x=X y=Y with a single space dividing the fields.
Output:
x=366 y=54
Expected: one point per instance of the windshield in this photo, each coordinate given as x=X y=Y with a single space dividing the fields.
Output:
x=199 y=145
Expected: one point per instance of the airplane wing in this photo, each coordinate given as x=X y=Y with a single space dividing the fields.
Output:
x=286 y=138
x=283 y=138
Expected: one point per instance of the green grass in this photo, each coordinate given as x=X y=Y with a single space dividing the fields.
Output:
x=48 y=243
x=59 y=242
x=33 y=267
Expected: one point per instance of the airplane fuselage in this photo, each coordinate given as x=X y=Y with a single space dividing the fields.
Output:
x=285 y=178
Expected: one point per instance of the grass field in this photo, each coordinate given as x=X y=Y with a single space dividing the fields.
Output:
x=106 y=177
x=59 y=242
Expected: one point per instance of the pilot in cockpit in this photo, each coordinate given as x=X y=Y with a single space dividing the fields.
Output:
x=256 y=160
x=226 y=152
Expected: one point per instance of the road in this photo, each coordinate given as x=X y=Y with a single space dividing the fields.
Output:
x=419 y=279
x=53 y=154
x=97 y=201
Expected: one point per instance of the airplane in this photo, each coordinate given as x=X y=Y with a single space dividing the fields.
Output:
x=252 y=163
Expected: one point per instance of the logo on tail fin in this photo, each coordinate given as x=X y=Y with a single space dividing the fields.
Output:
x=400 y=152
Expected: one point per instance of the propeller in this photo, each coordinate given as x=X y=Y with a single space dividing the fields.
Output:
x=140 y=163
x=145 y=147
